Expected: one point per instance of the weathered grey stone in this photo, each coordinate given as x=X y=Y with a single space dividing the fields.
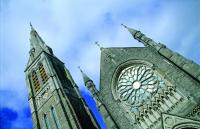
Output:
x=192 y=68
x=198 y=77
x=178 y=59
x=170 y=67
x=56 y=103
x=166 y=52
x=137 y=86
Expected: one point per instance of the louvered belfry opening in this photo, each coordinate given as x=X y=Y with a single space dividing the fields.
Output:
x=36 y=82
x=43 y=73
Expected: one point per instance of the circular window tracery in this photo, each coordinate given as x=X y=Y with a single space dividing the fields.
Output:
x=141 y=88
x=137 y=83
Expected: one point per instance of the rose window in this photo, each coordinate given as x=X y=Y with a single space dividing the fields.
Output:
x=136 y=84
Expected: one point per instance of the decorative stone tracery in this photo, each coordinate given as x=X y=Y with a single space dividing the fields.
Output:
x=177 y=122
x=43 y=95
x=136 y=84
x=144 y=93
x=195 y=112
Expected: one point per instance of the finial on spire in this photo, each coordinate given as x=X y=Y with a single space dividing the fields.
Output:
x=131 y=30
x=142 y=38
x=80 y=69
x=97 y=43
x=124 y=26
x=85 y=77
x=31 y=26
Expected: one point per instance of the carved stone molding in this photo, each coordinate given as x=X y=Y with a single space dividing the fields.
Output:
x=176 y=122
x=195 y=112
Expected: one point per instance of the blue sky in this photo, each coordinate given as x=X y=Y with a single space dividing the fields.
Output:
x=71 y=27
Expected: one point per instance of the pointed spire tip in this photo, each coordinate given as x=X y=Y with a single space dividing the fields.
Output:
x=31 y=25
x=85 y=77
x=124 y=26
x=32 y=28
x=80 y=69
x=97 y=43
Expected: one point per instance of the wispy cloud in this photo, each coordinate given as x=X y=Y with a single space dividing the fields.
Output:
x=72 y=27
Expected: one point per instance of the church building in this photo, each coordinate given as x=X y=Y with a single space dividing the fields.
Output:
x=148 y=87
x=54 y=97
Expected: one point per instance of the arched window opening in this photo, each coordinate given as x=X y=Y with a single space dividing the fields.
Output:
x=43 y=73
x=55 y=118
x=46 y=122
x=36 y=82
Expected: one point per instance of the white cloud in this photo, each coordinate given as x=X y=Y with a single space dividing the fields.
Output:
x=67 y=25
x=72 y=27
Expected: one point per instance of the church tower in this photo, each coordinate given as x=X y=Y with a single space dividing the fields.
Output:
x=54 y=97
x=148 y=87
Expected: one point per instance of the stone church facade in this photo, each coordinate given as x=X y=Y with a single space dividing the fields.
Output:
x=54 y=97
x=148 y=87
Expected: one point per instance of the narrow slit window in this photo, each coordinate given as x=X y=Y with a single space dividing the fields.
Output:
x=46 y=122
x=35 y=80
x=43 y=73
x=55 y=118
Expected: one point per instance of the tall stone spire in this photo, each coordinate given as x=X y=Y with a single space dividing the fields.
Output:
x=37 y=45
x=143 y=39
x=110 y=123
x=88 y=82
x=188 y=66
x=35 y=39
